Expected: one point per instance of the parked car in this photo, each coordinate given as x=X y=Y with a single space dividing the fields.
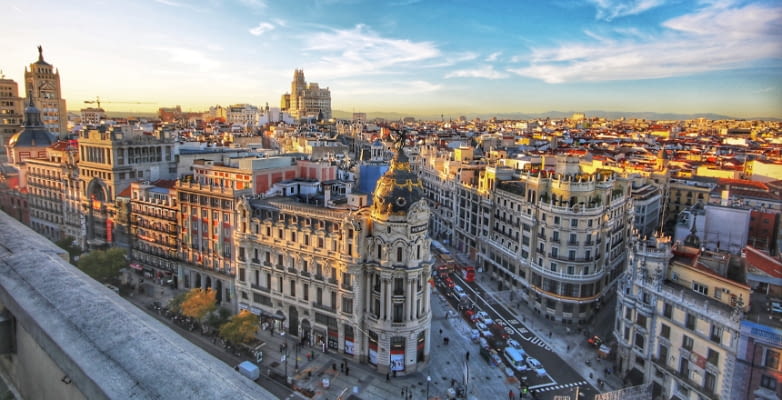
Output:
x=481 y=326
x=513 y=343
x=595 y=341
x=449 y=282
x=475 y=335
x=458 y=290
x=536 y=366
x=484 y=343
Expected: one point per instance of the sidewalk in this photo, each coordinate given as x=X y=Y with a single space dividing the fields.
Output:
x=446 y=364
x=569 y=342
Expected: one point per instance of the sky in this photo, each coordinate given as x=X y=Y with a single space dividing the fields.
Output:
x=416 y=57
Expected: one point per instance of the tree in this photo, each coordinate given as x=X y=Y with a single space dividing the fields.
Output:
x=66 y=244
x=241 y=328
x=198 y=303
x=103 y=265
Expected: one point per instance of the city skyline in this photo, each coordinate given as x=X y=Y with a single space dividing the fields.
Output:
x=409 y=56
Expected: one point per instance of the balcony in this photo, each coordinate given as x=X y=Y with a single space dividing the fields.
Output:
x=256 y=261
x=305 y=274
x=318 y=277
x=260 y=288
x=347 y=287
x=684 y=376
x=332 y=281
x=324 y=307
x=292 y=270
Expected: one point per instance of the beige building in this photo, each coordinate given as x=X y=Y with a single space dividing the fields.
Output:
x=110 y=158
x=52 y=184
x=678 y=321
x=154 y=229
x=11 y=117
x=306 y=100
x=354 y=281
x=559 y=236
x=42 y=82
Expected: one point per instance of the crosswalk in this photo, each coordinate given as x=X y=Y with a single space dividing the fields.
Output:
x=524 y=333
x=549 y=387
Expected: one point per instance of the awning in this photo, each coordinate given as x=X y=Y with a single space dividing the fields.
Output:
x=136 y=266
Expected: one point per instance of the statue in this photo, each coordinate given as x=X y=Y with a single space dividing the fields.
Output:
x=400 y=140
x=40 y=53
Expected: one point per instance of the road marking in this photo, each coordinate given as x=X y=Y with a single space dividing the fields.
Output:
x=553 y=386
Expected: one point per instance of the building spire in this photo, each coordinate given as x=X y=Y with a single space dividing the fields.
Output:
x=40 y=53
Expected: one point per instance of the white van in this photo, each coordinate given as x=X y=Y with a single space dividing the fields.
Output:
x=515 y=359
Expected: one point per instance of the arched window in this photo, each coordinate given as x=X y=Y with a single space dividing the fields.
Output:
x=399 y=254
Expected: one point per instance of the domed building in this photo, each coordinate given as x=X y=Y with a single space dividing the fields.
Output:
x=353 y=280
x=32 y=140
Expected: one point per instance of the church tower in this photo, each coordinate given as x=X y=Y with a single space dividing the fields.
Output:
x=398 y=268
x=42 y=82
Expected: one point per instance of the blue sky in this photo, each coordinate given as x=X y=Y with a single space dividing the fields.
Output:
x=410 y=56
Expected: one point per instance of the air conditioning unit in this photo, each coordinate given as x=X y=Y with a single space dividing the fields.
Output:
x=675 y=276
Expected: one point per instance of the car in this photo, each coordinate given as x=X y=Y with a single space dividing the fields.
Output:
x=481 y=315
x=469 y=313
x=484 y=343
x=595 y=341
x=481 y=326
x=475 y=335
x=513 y=343
x=536 y=366
x=449 y=283
x=458 y=290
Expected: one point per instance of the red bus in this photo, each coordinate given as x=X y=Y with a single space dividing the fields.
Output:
x=468 y=273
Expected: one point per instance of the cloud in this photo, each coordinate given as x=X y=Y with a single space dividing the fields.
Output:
x=262 y=28
x=360 y=51
x=255 y=4
x=493 y=56
x=609 y=9
x=764 y=90
x=487 y=72
x=386 y=87
x=181 y=55
x=713 y=38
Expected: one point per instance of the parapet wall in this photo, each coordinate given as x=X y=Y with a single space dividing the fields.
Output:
x=66 y=336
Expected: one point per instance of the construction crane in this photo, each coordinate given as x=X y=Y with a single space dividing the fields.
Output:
x=97 y=101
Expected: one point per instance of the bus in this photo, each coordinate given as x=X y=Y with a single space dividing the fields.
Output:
x=468 y=273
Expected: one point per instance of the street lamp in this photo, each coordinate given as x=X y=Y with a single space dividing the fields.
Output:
x=285 y=351
x=428 y=379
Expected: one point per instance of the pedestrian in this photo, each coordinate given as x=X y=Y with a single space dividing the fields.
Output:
x=334 y=367
x=341 y=367
x=388 y=377
x=467 y=356
x=347 y=371
x=441 y=332
x=510 y=395
x=568 y=347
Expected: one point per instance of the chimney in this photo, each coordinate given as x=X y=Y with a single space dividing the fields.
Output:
x=326 y=195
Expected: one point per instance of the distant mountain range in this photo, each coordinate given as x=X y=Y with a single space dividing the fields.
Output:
x=610 y=115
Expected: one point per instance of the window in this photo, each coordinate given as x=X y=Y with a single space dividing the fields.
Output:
x=641 y=320
x=398 y=254
x=573 y=222
x=687 y=342
x=279 y=283
x=293 y=288
x=667 y=310
x=665 y=331
x=556 y=220
x=553 y=267
x=713 y=357
x=347 y=305
x=716 y=334
x=709 y=382
x=306 y=292
x=689 y=321
x=640 y=342
x=768 y=382
x=772 y=359
x=398 y=312
x=319 y=296
x=700 y=288
x=662 y=354
x=241 y=274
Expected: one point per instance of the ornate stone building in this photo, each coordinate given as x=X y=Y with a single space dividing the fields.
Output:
x=678 y=321
x=42 y=82
x=306 y=100
x=353 y=281
x=11 y=117
x=560 y=236
x=110 y=158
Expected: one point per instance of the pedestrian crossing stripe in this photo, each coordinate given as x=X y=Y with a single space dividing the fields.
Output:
x=558 y=387
x=513 y=321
